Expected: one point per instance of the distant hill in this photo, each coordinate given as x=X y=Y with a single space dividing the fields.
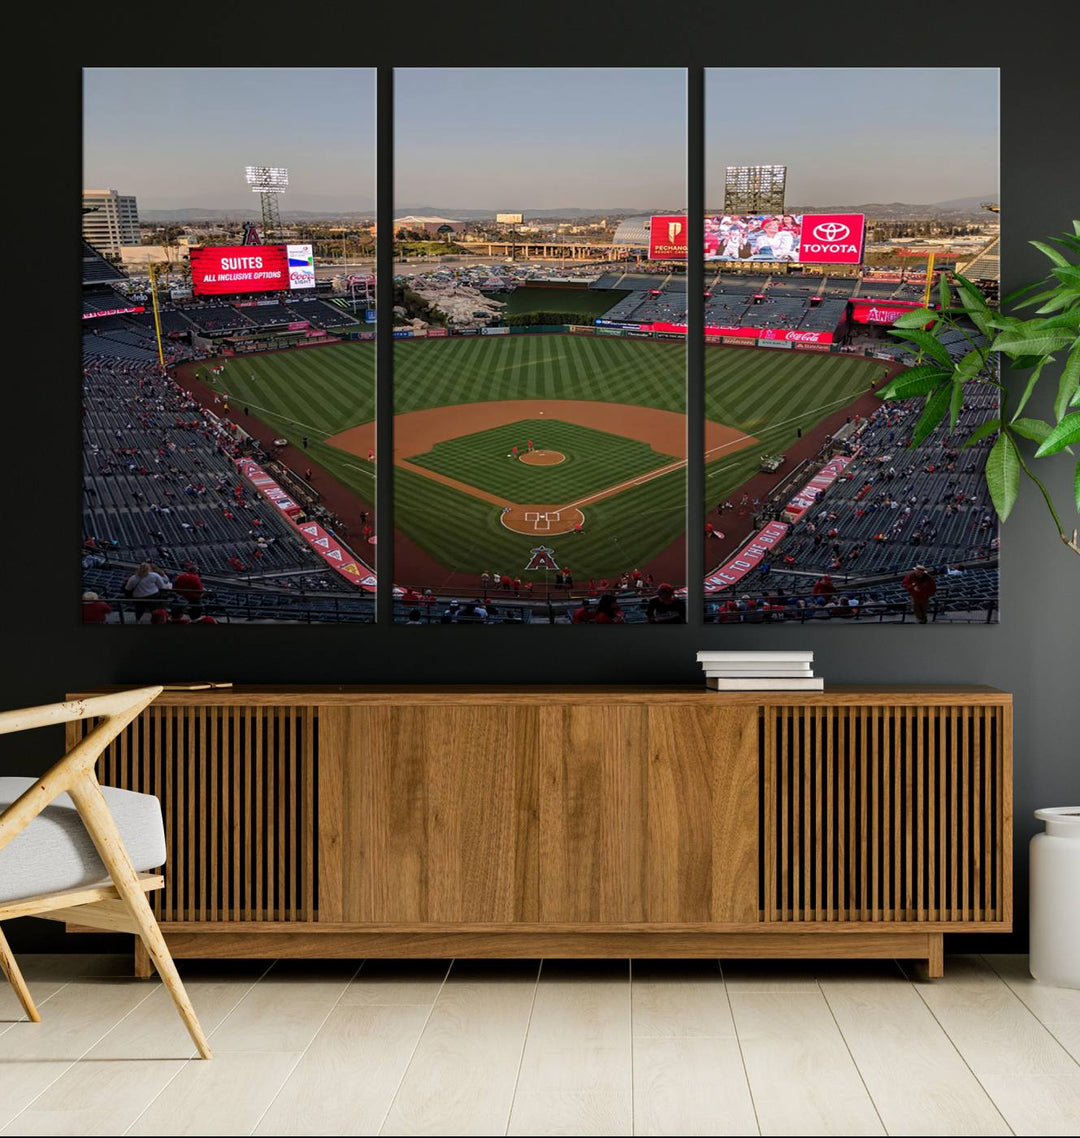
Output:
x=956 y=208
x=202 y=215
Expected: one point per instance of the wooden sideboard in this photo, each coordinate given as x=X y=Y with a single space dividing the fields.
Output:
x=576 y=821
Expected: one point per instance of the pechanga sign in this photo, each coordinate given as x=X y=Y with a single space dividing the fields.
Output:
x=667 y=237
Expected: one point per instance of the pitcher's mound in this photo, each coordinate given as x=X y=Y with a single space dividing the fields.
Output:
x=541 y=521
x=542 y=457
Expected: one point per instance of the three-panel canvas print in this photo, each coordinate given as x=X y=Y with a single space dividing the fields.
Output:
x=541 y=306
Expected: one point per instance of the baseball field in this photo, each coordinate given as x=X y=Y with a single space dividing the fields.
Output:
x=604 y=481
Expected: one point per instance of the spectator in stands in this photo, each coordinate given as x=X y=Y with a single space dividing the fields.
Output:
x=584 y=614
x=666 y=607
x=920 y=586
x=823 y=586
x=144 y=587
x=608 y=611
x=94 y=609
x=414 y=618
x=188 y=584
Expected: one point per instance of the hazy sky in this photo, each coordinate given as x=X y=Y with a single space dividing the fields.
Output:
x=850 y=137
x=534 y=139
x=181 y=137
x=540 y=138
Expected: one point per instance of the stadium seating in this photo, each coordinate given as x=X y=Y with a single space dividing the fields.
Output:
x=218 y=318
x=268 y=315
x=95 y=269
x=893 y=508
x=319 y=314
x=160 y=485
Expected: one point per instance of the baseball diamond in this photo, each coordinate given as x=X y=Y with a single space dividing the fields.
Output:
x=611 y=408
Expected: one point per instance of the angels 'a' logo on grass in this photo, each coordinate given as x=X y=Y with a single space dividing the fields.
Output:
x=542 y=558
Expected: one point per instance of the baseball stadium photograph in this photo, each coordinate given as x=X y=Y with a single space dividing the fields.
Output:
x=538 y=341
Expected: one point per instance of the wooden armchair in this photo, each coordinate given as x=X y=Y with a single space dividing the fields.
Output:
x=55 y=873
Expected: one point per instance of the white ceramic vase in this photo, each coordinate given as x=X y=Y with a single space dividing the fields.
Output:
x=1055 y=898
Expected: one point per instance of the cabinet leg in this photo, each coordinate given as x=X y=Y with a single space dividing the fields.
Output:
x=143 y=970
x=935 y=963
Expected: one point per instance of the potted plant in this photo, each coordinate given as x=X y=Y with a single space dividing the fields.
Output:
x=1030 y=345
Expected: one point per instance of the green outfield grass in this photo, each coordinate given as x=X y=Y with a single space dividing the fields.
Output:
x=319 y=392
x=586 y=302
x=593 y=460
x=771 y=398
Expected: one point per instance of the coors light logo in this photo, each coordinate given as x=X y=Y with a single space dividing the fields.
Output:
x=831 y=238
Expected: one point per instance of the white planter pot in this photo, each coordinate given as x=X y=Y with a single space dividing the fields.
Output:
x=1055 y=899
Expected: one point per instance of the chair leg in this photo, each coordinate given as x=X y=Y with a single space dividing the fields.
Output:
x=106 y=838
x=15 y=979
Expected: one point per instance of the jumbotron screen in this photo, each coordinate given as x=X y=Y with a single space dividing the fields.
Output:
x=217 y=270
x=798 y=238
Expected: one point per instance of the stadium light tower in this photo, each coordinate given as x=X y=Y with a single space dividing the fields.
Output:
x=269 y=181
x=754 y=189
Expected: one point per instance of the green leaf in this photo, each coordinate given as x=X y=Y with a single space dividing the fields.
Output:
x=1051 y=252
x=944 y=292
x=1064 y=299
x=1064 y=434
x=1076 y=227
x=923 y=371
x=1030 y=343
x=1068 y=274
x=980 y=432
x=926 y=343
x=915 y=318
x=956 y=402
x=975 y=305
x=970 y=364
x=1068 y=385
x=933 y=411
x=1032 y=380
x=1034 y=429
x=1003 y=475
x=915 y=381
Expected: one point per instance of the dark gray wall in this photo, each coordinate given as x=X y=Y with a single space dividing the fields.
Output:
x=1033 y=653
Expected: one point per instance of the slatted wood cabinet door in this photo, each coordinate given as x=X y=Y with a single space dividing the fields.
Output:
x=887 y=813
x=239 y=797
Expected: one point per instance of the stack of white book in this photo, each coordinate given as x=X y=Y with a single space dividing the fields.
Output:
x=760 y=671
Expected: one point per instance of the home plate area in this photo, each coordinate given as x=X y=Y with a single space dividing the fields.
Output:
x=542 y=520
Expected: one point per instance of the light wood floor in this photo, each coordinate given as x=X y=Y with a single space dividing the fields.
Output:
x=427 y=1047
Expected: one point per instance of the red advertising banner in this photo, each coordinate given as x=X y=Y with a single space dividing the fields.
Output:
x=113 y=312
x=217 y=270
x=812 y=347
x=298 y=325
x=831 y=239
x=748 y=558
x=880 y=311
x=437 y=332
x=817 y=485
x=324 y=543
x=667 y=238
x=267 y=486
x=788 y=335
x=337 y=556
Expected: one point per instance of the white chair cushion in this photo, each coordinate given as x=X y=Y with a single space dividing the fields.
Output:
x=55 y=852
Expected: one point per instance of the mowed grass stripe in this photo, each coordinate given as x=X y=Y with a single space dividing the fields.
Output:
x=466 y=535
x=594 y=460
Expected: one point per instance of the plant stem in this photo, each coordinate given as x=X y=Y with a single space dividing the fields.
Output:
x=1072 y=544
